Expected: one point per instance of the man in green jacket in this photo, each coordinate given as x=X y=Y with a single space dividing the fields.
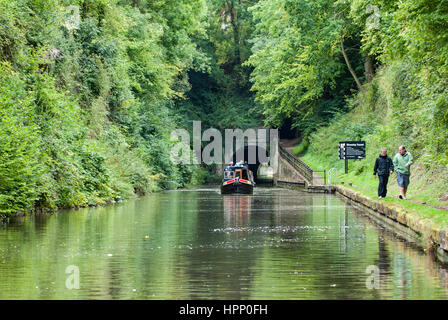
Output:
x=402 y=164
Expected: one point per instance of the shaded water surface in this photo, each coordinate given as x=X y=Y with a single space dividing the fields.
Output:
x=197 y=244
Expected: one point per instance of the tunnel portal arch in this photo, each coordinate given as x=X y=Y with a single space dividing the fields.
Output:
x=252 y=166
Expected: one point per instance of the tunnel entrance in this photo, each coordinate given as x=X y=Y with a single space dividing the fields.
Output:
x=254 y=167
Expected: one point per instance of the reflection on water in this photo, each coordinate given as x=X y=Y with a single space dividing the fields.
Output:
x=237 y=209
x=197 y=244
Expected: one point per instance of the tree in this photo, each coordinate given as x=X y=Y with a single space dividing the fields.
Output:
x=300 y=60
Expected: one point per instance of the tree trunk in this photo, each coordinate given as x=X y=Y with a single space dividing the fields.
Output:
x=236 y=31
x=84 y=10
x=349 y=66
x=368 y=68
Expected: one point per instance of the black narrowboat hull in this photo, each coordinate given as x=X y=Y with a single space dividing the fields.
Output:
x=238 y=188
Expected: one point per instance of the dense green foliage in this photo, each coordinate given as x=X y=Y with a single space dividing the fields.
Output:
x=299 y=69
x=87 y=109
x=412 y=44
x=220 y=95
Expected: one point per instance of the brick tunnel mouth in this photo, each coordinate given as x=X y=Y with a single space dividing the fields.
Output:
x=252 y=166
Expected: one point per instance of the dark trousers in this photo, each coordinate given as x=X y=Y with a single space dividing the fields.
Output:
x=382 y=186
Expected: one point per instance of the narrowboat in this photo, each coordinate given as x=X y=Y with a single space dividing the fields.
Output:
x=237 y=179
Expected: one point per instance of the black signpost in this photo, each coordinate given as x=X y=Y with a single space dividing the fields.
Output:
x=351 y=150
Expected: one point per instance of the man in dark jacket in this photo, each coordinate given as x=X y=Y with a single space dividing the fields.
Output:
x=383 y=167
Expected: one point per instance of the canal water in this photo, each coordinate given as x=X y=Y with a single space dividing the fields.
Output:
x=197 y=244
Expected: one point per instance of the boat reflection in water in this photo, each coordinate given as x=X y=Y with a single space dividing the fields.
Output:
x=237 y=210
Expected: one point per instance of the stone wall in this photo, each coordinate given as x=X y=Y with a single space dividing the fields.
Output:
x=287 y=173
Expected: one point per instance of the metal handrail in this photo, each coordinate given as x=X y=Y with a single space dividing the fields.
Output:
x=325 y=174
x=331 y=175
x=298 y=164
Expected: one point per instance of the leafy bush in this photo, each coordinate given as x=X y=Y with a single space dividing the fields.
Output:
x=85 y=114
x=19 y=148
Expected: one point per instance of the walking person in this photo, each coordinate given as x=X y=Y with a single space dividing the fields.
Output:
x=383 y=167
x=402 y=163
